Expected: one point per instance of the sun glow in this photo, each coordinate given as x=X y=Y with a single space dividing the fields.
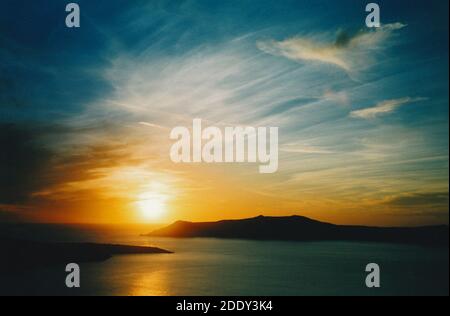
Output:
x=152 y=205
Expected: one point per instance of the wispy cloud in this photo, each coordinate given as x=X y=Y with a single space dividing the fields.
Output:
x=384 y=107
x=304 y=149
x=348 y=51
x=152 y=125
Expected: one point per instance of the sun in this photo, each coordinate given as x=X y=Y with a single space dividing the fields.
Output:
x=152 y=205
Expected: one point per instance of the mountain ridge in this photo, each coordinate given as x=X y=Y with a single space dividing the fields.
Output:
x=301 y=228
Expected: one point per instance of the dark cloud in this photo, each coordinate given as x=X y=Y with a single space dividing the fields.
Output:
x=432 y=200
x=23 y=163
x=37 y=157
x=343 y=38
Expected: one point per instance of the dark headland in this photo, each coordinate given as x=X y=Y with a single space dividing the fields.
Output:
x=299 y=228
x=18 y=254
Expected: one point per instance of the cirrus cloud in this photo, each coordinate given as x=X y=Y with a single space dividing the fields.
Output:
x=348 y=51
x=383 y=107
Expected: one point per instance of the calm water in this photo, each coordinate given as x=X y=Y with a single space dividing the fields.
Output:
x=234 y=267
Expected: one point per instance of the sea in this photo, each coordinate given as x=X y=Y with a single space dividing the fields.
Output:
x=229 y=267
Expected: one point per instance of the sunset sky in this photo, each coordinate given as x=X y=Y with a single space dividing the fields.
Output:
x=85 y=114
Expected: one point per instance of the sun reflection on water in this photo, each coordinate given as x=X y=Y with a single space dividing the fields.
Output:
x=154 y=283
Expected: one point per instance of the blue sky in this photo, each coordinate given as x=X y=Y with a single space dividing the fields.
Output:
x=363 y=114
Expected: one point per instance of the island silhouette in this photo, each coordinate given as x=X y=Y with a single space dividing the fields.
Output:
x=19 y=254
x=300 y=228
x=22 y=254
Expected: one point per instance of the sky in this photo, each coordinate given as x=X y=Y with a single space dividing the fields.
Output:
x=86 y=113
